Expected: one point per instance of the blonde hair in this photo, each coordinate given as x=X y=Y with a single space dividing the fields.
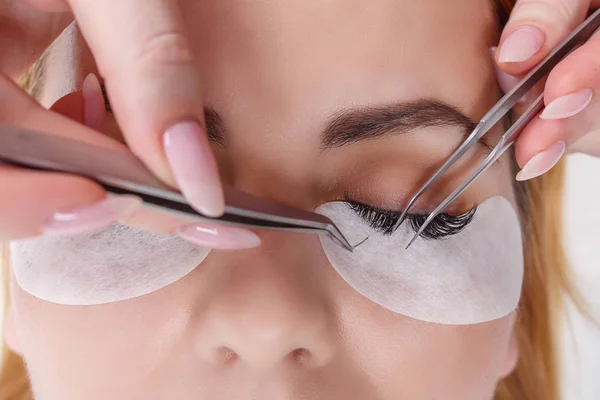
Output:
x=544 y=287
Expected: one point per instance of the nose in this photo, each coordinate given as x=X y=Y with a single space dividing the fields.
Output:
x=265 y=309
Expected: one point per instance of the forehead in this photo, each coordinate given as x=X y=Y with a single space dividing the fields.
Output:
x=308 y=42
x=278 y=70
x=351 y=51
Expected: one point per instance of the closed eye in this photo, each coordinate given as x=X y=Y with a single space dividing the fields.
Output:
x=384 y=221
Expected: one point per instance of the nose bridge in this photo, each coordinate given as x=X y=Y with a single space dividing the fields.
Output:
x=267 y=305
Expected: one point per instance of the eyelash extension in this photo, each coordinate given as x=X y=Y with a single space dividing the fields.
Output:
x=384 y=221
x=107 y=105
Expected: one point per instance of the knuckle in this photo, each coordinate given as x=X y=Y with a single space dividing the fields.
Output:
x=166 y=48
x=564 y=10
x=579 y=69
x=551 y=11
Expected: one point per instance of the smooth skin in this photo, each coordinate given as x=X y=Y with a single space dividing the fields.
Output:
x=574 y=119
x=276 y=321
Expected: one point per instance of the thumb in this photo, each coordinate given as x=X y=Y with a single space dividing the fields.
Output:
x=49 y=5
x=535 y=27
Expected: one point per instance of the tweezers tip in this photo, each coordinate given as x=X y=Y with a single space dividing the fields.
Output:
x=342 y=239
x=402 y=217
x=412 y=240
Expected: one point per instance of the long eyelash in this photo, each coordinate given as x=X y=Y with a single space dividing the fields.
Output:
x=106 y=101
x=384 y=221
x=443 y=225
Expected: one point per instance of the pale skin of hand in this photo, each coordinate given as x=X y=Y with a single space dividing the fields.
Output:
x=570 y=122
x=152 y=81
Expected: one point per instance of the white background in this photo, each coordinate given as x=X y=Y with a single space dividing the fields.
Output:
x=581 y=342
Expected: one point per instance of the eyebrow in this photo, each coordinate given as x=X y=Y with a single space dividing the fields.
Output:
x=356 y=125
x=215 y=129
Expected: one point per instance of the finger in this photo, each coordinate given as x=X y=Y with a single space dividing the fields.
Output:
x=540 y=146
x=94 y=110
x=571 y=106
x=19 y=109
x=588 y=144
x=543 y=143
x=201 y=234
x=541 y=133
x=85 y=107
x=535 y=27
x=39 y=203
x=507 y=82
x=49 y=5
x=577 y=72
x=151 y=76
x=63 y=204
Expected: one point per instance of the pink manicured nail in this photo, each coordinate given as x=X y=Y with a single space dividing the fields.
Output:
x=219 y=237
x=569 y=105
x=542 y=162
x=521 y=45
x=505 y=81
x=95 y=216
x=194 y=166
x=94 y=110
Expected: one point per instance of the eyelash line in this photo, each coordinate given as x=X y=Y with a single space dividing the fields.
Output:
x=107 y=105
x=384 y=221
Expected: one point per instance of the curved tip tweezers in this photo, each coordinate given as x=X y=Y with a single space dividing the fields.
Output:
x=121 y=172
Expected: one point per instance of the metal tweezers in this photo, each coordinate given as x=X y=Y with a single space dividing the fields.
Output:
x=121 y=172
x=577 y=38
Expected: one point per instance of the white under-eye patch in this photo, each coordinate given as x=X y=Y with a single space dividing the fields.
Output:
x=117 y=263
x=468 y=278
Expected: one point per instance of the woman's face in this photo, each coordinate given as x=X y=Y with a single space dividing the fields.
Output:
x=278 y=322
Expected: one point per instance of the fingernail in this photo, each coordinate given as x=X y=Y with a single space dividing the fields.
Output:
x=194 y=166
x=542 y=162
x=521 y=45
x=506 y=81
x=568 y=106
x=219 y=237
x=94 y=109
x=95 y=216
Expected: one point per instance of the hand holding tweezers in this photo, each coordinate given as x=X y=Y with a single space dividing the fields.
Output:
x=121 y=172
x=577 y=38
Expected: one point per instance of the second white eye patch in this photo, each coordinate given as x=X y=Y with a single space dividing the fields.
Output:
x=114 y=264
x=471 y=277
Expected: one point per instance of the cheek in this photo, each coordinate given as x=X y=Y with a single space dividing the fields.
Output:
x=115 y=344
x=407 y=358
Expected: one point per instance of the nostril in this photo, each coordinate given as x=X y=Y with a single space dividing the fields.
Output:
x=301 y=356
x=227 y=355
